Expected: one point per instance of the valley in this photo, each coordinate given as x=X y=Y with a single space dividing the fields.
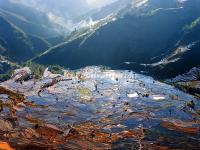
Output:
x=110 y=74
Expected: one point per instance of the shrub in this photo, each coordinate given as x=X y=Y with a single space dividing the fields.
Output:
x=37 y=69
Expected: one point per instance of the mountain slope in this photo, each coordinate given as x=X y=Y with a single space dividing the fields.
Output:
x=16 y=41
x=138 y=37
x=29 y=19
x=24 y=31
x=96 y=14
x=184 y=55
x=17 y=45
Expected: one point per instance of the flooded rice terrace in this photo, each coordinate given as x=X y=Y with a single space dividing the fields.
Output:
x=95 y=108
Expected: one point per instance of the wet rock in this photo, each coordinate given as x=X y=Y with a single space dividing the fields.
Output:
x=48 y=130
x=21 y=74
x=198 y=112
x=85 y=91
x=126 y=103
x=70 y=131
x=5 y=125
x=30 y=133
x=1 y=106
x=97 y=117
x=12 y=94
x=48 y=74
x=50 y=83
x=181 y=126
x=175 y=97
x=191 y=104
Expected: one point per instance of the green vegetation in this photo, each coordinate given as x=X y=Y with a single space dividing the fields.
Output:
x=37 y=70
x=6 y=68
x=6 y=76
x=56 y=69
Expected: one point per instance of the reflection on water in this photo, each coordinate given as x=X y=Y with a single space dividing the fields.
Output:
x=98 y=109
